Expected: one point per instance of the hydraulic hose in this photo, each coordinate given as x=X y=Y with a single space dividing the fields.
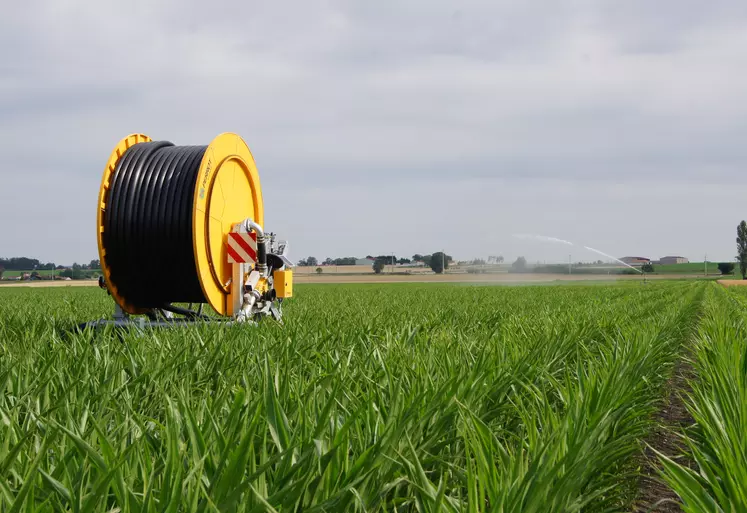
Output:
x=148 y=227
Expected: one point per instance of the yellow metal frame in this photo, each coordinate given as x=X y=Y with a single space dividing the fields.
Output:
x=106 y=181
x=283 y=282
x=227 y=192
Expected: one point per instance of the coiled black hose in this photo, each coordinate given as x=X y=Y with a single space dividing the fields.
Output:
x=148 y=225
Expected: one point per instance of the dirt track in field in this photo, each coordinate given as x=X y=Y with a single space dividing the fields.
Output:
x=732 y=283
x=672 y=419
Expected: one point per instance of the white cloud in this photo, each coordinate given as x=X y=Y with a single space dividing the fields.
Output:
x=565 y=116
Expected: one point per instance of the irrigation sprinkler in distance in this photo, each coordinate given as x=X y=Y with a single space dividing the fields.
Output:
x=562 y=241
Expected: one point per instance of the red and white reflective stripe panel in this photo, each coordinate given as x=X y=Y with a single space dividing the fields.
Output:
x=242 y=248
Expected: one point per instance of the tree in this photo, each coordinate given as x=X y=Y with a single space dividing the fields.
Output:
x=742 y=248
x=726 y=267
x=329 y=261
x=19 y=263
x=388 y=259
x=520 y=264
x=95 y=264
x=439 y=262
x=319 y=270
x=2 y=270
x=379 y=265
x=500 y=259
x=417 y=257
x=647 y=268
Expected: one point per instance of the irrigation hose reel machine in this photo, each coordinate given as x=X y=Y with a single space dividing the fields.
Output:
x=185 y=224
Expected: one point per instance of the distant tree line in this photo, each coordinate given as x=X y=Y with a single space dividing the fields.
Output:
x=489 y=261
x=34 y=266
x=24 y=264
x=340 y=261
x=438 y=261
x=308 y=261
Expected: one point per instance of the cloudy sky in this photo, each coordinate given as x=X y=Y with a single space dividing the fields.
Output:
x=403 y=127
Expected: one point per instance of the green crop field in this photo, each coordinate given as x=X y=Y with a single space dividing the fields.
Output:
x=395 y=397
x=688 y=268
x=8 y=273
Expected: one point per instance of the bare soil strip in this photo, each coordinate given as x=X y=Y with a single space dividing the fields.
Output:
x=671 y=420
x=733 y=283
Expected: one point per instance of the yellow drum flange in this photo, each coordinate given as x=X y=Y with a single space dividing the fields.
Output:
x=227 y=192
x=106 y=181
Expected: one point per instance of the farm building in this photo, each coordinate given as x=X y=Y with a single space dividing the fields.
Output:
x=673 y=260
x=633 y=260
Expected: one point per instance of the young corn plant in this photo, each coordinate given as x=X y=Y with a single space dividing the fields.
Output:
x=718 y=404
x=370 y=399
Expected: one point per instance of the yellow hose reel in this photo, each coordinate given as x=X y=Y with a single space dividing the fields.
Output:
x=185 y=224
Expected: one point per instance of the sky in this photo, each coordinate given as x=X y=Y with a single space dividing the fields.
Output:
x=394 y=127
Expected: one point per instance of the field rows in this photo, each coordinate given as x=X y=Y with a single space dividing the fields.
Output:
x=718 y=404
x=371 y=398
